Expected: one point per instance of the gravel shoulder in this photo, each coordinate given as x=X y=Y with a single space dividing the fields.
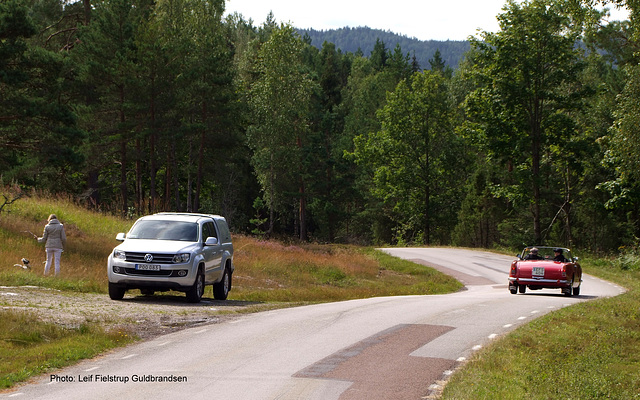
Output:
x=144 y=316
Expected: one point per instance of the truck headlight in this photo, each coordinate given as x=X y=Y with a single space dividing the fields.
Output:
x=181 y=258
x=119 y=255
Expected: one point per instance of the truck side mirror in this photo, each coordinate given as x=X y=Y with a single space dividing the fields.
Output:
x=211 y=241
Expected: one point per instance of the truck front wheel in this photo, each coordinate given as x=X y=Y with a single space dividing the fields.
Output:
x=194 y=295
x=116 y=292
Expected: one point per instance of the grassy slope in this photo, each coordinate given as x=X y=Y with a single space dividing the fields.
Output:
x=29 y=347
x=265 y=270
x=91 y=236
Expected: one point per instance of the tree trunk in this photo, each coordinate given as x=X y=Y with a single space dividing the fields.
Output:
x=303 y=212
x=153 y=189
x=189 y=178
x=536 y=137
x=427 y=220
x=427 y=181
x=139 y=196
x=303 y=199
x=271 y=194
x=166 y=198
x=329 y=187
x=93 y=178
x=203 y=136
x=567 y=208
x=153 y=193
x=87 y=12
x=176 y=181
x=123 y=158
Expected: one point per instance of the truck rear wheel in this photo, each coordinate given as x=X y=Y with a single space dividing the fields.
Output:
x=221 y=289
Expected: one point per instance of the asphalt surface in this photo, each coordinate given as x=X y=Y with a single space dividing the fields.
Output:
x=379 y=348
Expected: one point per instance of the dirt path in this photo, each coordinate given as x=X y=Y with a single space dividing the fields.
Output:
x=144 y=316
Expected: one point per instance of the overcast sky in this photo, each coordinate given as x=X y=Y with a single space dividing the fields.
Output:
x=423 y=19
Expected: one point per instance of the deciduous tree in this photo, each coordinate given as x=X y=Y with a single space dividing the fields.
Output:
x=412 y=153
x=529 y=82
x=280 y=100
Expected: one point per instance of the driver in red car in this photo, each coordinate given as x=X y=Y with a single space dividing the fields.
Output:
x=533 y=254
x=558 y=256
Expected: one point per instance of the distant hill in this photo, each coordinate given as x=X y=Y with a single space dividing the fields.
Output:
x=364 y=38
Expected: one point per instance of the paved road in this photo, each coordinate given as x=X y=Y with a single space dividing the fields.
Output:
x=377 y=348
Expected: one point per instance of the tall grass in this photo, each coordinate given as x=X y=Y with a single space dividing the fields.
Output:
x=271 y=271
x=91 y=237
x=265 y=270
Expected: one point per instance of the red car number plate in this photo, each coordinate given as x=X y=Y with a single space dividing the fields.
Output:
x=538 y=271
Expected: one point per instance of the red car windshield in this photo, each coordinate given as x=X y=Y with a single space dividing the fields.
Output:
x=544 y=253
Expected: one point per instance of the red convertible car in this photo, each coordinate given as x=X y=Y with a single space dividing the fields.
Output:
x=545 y=268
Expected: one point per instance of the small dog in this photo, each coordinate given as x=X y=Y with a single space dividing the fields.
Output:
x=24 y=265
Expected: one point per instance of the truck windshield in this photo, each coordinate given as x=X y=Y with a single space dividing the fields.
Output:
x=165 y=230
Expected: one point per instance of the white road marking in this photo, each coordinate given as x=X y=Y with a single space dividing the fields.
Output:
x=507 y=326
x=493 y=336
x=128 y=357
x=91 y=369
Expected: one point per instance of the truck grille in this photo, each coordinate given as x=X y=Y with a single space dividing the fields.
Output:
x=157 y=258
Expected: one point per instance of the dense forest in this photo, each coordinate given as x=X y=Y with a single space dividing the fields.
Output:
x=137 y=106
x=363 y=39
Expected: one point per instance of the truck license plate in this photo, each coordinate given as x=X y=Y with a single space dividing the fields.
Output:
x=147 y=267
x=538 y=271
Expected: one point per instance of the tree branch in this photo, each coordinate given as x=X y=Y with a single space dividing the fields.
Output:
x=8 y=202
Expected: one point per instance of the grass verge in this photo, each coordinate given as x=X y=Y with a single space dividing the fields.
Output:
x=587 y=351
x=29 y=347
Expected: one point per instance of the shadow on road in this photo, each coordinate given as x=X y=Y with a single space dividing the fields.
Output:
x=580 y=297
x=180 y=300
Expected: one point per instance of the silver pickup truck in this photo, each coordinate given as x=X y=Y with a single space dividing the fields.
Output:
x=173 y=251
